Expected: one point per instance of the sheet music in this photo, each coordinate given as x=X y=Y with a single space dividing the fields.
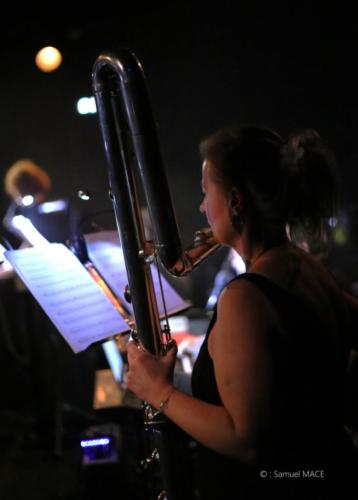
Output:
x=6 y=270
x=105 y=253
x=70 y=297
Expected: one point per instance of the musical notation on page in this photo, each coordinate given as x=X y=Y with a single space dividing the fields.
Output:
x=73 y=301
x=105 y=252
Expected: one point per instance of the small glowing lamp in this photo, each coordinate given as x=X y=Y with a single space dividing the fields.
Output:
x=86 y=106
x=48 y=59
x=84 y=195
x=27 y=200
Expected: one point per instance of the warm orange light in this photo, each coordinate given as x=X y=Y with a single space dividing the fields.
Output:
x=48 y=59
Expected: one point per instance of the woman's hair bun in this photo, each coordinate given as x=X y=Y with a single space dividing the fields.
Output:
x=309 y=166
x=294 y=149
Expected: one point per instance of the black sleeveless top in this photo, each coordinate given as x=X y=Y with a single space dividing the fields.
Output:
x=306 y=426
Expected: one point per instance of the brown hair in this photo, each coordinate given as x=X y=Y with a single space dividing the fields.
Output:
x=283 y=183
x=25 y=177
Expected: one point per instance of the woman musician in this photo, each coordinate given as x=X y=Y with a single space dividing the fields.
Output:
x=267 y=408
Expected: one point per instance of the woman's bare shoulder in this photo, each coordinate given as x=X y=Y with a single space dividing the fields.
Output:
x=243 y=304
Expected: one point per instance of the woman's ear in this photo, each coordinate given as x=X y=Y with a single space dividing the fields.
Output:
x=236 y=203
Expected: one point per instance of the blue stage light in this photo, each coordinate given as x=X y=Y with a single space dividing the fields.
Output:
x=100 y=444
x=88 y=443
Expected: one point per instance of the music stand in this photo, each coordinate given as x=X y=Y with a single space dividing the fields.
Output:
x=73 y=300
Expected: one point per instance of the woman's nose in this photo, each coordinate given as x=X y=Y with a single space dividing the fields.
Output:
x=202 y=207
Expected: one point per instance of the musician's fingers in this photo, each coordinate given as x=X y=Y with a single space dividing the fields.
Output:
x=131 y=346
x=171 y=353
x=172 y=345
x=133 y=350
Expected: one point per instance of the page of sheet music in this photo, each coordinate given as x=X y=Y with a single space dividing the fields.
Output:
x=105 y=253
x=70 y=297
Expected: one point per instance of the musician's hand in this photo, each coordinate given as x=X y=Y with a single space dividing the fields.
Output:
x=149 y=376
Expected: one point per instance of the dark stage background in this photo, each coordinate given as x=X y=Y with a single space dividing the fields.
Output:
x=207 y=65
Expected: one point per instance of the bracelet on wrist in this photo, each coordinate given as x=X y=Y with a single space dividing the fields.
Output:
x=164 y=402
